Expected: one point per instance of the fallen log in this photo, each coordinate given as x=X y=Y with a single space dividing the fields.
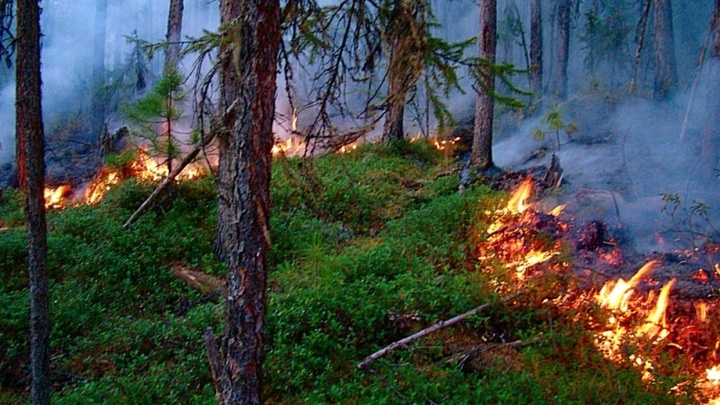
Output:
x=210 y=286
x=434 y=328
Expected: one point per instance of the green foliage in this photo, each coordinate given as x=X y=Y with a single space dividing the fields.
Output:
x=555 y=123
x=392 y=252
x=161 y=108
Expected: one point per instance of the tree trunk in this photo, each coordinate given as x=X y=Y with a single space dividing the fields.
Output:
x=563 y=48
x=711 y=134
x=481 y=155
x=640 y=41
x=536 y=48
x=248 y=69
x=174 y=33
x=407 y=50
x=29 y=127
x=665 y=65
x=98 y=89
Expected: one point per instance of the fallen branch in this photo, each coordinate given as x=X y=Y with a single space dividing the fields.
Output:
x=168 y=180
x=434 y=328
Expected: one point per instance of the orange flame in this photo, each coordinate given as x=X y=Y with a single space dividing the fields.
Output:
x=100 y=186
x=615 y=295
x=518 y=202
x=656 y=323
x=293 y=121
x=54 y=196
x=557 y=210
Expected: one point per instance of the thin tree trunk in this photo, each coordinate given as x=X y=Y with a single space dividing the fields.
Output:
x=248 y=76
x=536 y=47
x=563 y=48
x=640 y=41
x=395 y=115
x=711 y=138
x=481 y=154
x=174 y=33
x=665 y=65
x=98 y=89
x=29 y=127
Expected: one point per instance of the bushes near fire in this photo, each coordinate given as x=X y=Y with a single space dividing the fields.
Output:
x=386 y=247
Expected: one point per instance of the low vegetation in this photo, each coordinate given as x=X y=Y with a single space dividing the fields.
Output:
x=368 y=247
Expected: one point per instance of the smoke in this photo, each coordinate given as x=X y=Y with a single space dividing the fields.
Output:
x=68 y=29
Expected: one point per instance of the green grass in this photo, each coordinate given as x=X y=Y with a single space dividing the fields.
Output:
x=378 y=246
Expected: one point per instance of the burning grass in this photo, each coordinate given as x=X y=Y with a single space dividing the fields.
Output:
x=394 y=249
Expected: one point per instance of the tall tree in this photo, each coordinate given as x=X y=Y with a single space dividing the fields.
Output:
x=639 y=41
x=174 y=33
x=481 y=154
x=99 y=98
x=248 y=68
x=711 y=142
x=665 y=64
x=29 y=129
x=564 y=8
x=536 y=47
x=407 y=40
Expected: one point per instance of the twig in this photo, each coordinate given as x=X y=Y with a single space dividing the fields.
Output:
x=434 y=328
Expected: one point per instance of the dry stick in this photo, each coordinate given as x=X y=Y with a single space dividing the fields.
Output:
x=696 y=80
x=436 y=327
x=168 y=180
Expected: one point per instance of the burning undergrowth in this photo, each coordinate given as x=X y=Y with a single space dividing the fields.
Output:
x=656 y=314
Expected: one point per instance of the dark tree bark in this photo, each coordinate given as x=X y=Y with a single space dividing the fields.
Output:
x=29 y=129
x=711 y=137
x=174 y=33
x=481 y=154
x=249 y=53
x=407 y=51
x=536 y=47
x=98 y=89
x=639 y=41
x=665 y=64
x=563 y=48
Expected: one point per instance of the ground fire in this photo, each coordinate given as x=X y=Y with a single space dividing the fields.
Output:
x=638 y=329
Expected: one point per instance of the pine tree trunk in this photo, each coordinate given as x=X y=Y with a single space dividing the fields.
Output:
x=563 y=48
x=665 y=65
x=711 y=134
x=536 y=47
x=481 y=154
x=248 y=79
x=98 y=89
x=395 y=114
x=639 y=41
x=29 y=127
x=174 y=33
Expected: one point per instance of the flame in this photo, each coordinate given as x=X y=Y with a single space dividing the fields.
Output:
x=557 y=210
x=442 y=145
x=700 y=310
x=615 y=295
x=54 y=196
x=347 y=148
x=288 y=147
x=100 y=186
x=656 y=323
x=293 y=121
x=518 y=202
x=713 y=375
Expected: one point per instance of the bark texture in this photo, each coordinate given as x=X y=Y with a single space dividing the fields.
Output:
x=536 y=47
x=639 y=41
x=665 y=64
x=711 y=134
x=407 y=43
x=481 y=155
x=563 y=48
x=174 y=33
x=29 y=127
x=249 y=52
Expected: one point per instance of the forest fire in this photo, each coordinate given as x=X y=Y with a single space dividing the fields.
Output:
x=638 y=330
x=143 y=168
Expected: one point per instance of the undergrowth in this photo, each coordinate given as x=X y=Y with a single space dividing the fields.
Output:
x=383 y=247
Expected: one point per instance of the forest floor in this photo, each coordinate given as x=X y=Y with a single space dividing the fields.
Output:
x=368 y=247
